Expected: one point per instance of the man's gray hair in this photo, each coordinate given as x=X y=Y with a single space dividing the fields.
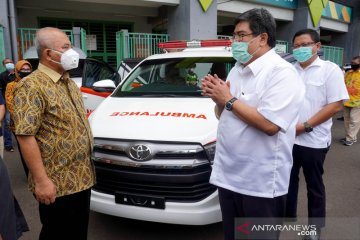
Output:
x=44 y=39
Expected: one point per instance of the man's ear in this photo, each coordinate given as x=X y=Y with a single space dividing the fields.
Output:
x=47 y=54
x=263 y=39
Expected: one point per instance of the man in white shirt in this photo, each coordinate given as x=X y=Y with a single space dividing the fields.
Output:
x=258 y=110
x=325 y=91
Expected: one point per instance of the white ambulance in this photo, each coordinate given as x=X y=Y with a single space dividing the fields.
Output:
x=155 y=138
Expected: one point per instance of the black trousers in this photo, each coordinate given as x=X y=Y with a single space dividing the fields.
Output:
x=26 y=169
x=66 y=218
x=312 y=161
x=235 y=205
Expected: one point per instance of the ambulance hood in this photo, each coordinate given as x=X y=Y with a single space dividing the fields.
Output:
x=190 y=119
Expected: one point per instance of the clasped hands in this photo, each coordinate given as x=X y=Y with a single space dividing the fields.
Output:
x=216 y=89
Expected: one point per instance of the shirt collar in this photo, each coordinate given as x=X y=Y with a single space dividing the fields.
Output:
x=256 y=66
x=55 y=76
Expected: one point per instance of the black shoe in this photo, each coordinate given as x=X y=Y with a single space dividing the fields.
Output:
x=340 y=119
x=347 y=142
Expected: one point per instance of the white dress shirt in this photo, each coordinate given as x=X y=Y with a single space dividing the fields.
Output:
x=247 y=160
x=325 y=84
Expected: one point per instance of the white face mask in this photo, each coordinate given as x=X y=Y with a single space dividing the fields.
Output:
x=69 y=59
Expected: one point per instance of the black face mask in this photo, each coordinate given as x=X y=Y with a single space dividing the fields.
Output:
x=355 y=66
x=23 y=74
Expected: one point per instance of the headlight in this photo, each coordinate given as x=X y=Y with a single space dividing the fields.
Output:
x=210 y=151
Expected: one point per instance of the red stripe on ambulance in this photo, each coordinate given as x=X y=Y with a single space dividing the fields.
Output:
x=92 y=92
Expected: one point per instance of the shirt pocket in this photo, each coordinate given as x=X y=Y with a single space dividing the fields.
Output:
x=315 y=93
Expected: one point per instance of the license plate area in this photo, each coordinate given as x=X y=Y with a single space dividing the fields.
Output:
x=139 y=200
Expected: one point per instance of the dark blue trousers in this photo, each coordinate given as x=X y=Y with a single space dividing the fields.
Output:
x=311 y=160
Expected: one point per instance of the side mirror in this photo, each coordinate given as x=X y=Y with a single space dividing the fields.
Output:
x=106 y=85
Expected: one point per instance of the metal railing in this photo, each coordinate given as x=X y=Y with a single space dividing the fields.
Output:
x=137 y=45
x=281 y=46
x=333 y=54
x=141 y=45
x=27 y=37
x=83 y=40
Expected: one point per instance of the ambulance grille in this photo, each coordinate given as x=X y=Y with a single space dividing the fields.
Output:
x=179 y=173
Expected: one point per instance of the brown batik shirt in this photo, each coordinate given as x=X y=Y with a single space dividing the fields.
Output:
x=50 y=107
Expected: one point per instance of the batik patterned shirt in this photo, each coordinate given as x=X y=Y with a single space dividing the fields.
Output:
x=50 y=107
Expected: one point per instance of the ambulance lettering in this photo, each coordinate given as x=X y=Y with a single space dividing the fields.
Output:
x=159 y=114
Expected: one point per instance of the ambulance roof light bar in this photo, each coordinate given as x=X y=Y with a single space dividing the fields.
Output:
x=195 y=44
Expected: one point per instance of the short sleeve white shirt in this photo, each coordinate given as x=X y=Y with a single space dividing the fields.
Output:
x=247 y=160
x=324 y=82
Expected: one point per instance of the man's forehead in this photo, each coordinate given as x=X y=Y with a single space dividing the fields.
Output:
x=242 y=27
x=62 y=42
x=302 y=38
x=8 y=60
x=60 y=36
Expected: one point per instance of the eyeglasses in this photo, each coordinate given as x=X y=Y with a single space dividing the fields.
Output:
x=239 y=36
x=303 y=45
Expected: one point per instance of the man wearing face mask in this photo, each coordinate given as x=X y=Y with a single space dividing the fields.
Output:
x=55 y=139
x=7 y=77
x=352 y=106
x=258 y=109
x=325 y=92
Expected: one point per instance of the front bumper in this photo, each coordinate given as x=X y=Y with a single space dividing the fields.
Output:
x=206 y=211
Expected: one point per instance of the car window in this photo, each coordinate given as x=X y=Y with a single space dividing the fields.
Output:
x=96 y=71
x=175 y=76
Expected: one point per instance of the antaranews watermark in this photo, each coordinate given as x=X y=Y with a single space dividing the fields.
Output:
x=272 y=228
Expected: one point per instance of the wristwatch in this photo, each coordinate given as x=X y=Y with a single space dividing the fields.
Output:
x=229 y=104
x=307 y=127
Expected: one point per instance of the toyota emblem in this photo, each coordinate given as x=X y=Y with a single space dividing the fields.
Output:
x=140 y=152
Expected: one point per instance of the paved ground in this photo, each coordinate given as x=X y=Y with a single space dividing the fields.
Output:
x=342 y=171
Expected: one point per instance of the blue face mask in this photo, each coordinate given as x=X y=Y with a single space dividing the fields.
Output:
x=9 y=66
x=302 y=54
x=240 y=51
